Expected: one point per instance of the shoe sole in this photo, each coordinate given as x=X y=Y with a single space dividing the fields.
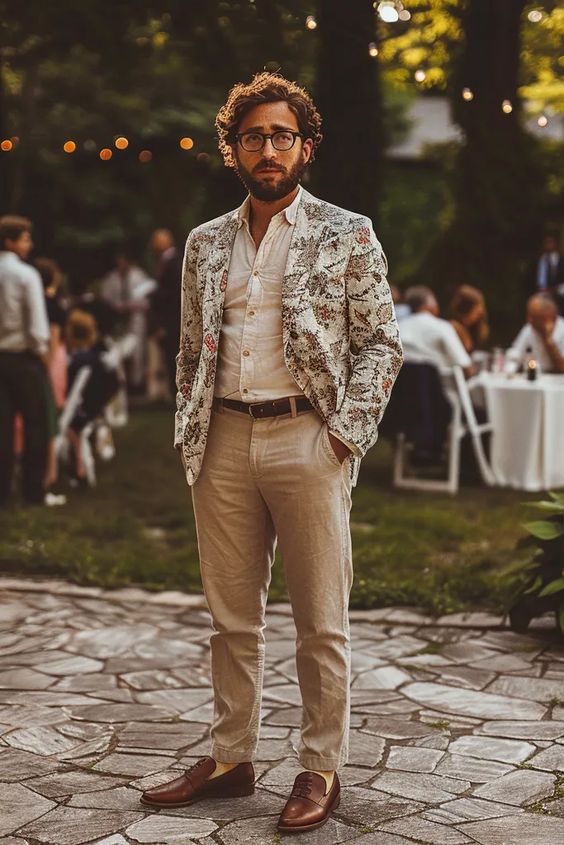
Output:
x=162 y=805
x=315 y=825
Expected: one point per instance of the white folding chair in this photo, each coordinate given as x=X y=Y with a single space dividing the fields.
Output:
x=463 y=422
x=70 y=408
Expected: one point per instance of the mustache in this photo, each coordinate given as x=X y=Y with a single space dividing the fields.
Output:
x=262 y=165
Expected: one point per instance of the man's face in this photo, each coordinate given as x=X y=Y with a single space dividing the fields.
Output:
x=271 y=174
x=549 y=244
x=542 y=321
x=22 y=246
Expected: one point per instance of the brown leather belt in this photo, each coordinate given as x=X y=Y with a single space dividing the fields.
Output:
x=260 y=410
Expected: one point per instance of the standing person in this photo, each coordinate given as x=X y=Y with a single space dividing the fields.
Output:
x=165 y=300
x=127 y=288
x=24 y=342
x=288 y=354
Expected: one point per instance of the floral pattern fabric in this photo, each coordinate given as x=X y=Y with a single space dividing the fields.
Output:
x=340 y=336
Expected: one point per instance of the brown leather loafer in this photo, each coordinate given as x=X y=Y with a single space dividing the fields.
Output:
x=308 y=806
x=194 y=785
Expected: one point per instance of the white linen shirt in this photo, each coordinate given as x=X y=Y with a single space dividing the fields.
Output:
x=24 y=326
x=251 y=364
x=528 y=337
x=426 y=338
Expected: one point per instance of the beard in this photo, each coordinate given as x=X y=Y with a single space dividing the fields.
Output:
x=270 y=192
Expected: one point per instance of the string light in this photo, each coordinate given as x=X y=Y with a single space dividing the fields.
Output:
x=506 y=107
x=388 y=11
x=106 y=154
x=69 y=146
x=373 y=49
x=467 y=94
x=186 y=143
x=121 y=143
x=535 y=15
x=145 y=156
x=420 y=75
x=6 y=145
x=311 y=23
x=542 y=121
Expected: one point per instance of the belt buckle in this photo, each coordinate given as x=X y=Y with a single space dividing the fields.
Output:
x=251 y=410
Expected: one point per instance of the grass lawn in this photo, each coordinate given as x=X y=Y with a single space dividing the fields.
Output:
x=439 y=552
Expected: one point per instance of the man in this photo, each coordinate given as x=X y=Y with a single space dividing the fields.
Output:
x=542 y=337
x=165 y=301
x=24 y=342
x=428 y=339
x=288 y=334
x=549 y=271
x=126 y=288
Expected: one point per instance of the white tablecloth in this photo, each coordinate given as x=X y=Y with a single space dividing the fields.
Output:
x=527 y=449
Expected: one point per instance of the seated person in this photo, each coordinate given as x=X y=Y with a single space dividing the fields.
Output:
x=428 y=339
x=469 y=318
x=81 y=333
x=402 y=310
x=542 y=337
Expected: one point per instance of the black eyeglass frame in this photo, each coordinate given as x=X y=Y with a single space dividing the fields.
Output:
x=270 y=135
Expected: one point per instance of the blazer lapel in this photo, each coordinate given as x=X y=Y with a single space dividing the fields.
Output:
x=217 y=263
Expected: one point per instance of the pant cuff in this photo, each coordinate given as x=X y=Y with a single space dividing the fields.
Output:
x=322 y=764
x=228 y=755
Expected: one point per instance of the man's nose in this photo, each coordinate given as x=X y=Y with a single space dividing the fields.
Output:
x=269 y=150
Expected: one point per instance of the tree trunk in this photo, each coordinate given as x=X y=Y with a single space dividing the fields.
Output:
x=497 y=186
x=349 y=170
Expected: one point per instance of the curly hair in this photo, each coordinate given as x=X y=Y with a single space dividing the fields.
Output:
x=265 y=88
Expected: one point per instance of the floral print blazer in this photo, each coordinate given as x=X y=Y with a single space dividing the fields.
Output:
x=340 y=336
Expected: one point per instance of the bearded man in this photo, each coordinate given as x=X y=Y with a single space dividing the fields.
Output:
x=289 y=349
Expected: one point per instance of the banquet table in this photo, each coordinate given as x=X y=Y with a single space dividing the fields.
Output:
x=527 y=446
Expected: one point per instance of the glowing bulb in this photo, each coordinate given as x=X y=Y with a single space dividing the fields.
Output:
x=6 y=145
x=121 y=143
x=186 y=143
x=506 y=107
x=420 y=75
x=388 y=12
x=372 y=49
x=106 y=154
x=69 y=146
x=467 y=94
x=405 y=15
x=145 y=156
x=542 y=121
x=311 y=23
x=90 y=145
x=535 y=15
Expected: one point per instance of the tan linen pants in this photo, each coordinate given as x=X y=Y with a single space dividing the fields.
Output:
x=263 y=481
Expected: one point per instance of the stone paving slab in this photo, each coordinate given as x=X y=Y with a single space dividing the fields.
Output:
x=457 y=725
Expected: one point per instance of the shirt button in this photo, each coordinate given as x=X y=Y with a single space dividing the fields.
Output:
x=246 y=353
x=245 y=390
x=251 y=313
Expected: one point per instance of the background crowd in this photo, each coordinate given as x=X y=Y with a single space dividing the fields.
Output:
x=124 y=332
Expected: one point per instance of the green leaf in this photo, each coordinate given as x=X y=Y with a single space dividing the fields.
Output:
x=544 y=530
x=555 y=508
x=553 y=587
x=534 y=586
x=558 y=497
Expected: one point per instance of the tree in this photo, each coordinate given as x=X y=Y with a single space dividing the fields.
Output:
x=350 y=168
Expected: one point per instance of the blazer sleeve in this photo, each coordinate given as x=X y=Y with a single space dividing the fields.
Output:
x=190 y=335
x=375 y=346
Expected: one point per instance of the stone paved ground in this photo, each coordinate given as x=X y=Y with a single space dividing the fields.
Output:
x=457 y=729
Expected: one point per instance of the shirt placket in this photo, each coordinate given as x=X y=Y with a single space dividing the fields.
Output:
x=251 y=323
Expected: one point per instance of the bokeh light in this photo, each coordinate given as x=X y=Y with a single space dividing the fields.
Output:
x=420 y=75
x=106 y=154
x=506 y=107
x=145 y=156
x=405 y=15
x=542 y=121
x=186 y=143
x=372 y=49
x=388 y=11
x=535 y=15
x=69 y=147
x=121 y=143
x=6 y=145
x=311 y=23
x=467 y=94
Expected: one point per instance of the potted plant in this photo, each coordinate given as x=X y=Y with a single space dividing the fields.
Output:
x=540 y=574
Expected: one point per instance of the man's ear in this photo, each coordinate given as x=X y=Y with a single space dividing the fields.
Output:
x=307 y=149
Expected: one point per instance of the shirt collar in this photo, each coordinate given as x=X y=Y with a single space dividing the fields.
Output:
x=290 y=212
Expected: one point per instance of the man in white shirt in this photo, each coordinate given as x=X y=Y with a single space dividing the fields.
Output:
x=24 y=339
x=288 y=334
x=428 y=339
x=542 y=337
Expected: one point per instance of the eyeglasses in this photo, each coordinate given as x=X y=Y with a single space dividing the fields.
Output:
x=282 y=140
